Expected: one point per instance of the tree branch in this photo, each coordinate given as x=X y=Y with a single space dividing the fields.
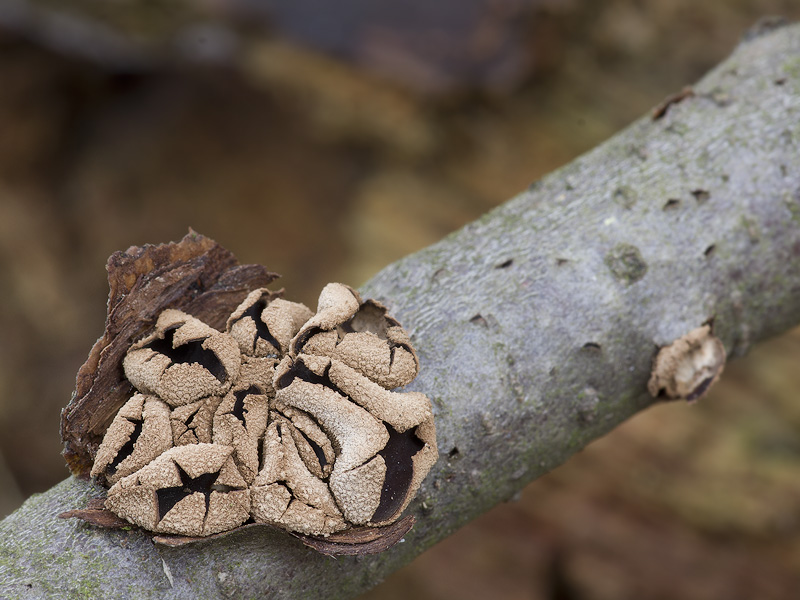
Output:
x=536 y=327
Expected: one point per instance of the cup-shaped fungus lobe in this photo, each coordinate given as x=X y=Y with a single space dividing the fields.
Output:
x=240 y=422
x=191 y=423
x=191 y=490
x=686 y=368
x=384 y=441
x=139 y=433
x=286 y=493
x=361 y=335
x=263 y=325
x=183 y=360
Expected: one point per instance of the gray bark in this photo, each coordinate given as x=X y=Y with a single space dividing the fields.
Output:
x=536 y=327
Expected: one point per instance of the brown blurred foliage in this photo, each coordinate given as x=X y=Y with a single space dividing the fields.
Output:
x=325 y=158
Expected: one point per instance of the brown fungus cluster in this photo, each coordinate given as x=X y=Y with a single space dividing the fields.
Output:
x=287 y=417
x=688 y=367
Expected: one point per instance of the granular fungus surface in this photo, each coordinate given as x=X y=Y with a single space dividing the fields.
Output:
x=287 y=417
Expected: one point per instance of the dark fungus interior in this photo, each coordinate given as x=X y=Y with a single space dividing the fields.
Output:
x=262 y=331
x=189 y=352
x=300 y=370
x=700 y=389
x=169 y=497
x=127 y=448
x=397 y=454
x=238 y=405
x=316 y=448
x=304 y=336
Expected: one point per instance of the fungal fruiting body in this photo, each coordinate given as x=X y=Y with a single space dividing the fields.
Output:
x=688 y=367
x=287 y=418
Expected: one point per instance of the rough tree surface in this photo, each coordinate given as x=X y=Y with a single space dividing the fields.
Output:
x=536 y=327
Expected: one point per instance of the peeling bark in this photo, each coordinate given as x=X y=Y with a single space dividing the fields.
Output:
x=569 y=287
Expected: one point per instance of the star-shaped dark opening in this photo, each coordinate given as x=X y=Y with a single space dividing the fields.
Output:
x=190 y=352
x=169 y=497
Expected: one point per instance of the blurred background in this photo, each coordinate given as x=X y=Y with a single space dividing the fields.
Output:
x=326 y=143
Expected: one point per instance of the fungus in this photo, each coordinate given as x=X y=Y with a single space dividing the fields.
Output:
x=386 y=439
x=139 y=433
x=288 y=419
x=183 y=360
x=264 y=324
x=239 y=422
x=191 y=423
x=287 y=494
x=189 y=490
x=313 y=444
x=361 y=335
x=688 y=367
